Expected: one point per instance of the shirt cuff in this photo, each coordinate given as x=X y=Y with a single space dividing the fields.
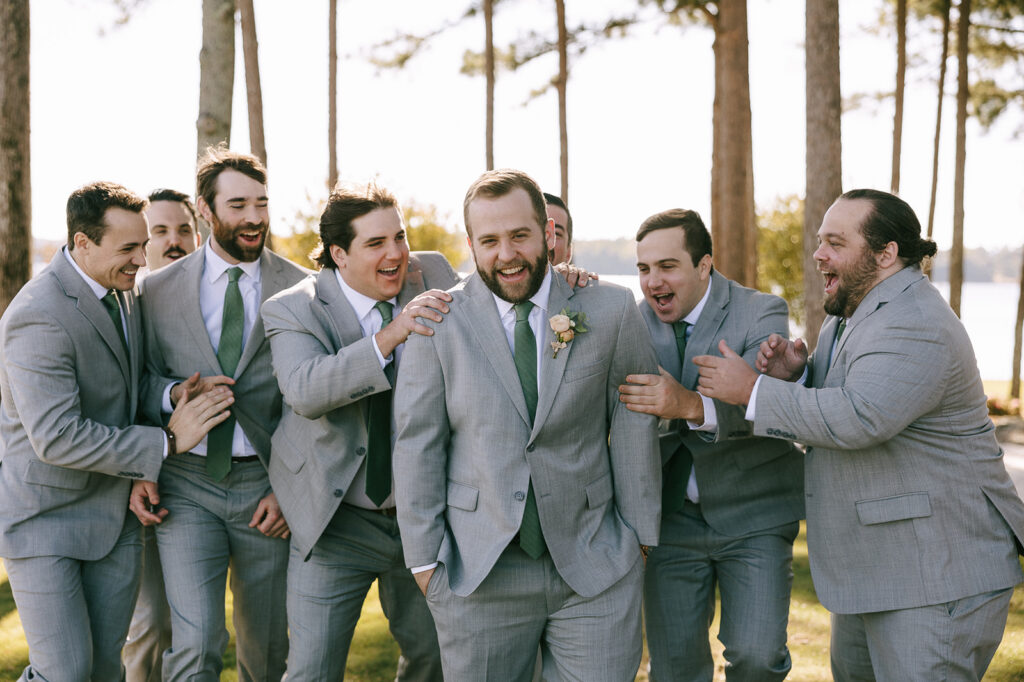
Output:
x=380 y=357
x=166 y=405
x=421 y=569
x=751 y=412
x=710 y=424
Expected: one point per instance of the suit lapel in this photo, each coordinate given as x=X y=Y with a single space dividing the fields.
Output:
x=190 y=310
x=135 y=347
x=490 y=337
x=271 y=282
x=703 y=338
x=664 y=339
x=552 y=368
x=339 y=310
x=823 y=356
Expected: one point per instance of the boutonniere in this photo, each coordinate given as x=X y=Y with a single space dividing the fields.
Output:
x=566 y=325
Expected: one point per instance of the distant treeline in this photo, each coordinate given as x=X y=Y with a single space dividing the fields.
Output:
x=618 y=257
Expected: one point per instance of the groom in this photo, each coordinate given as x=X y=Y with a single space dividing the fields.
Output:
x=525 y=490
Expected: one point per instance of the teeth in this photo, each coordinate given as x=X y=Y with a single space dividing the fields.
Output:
x=510 y=271
x=388 y=271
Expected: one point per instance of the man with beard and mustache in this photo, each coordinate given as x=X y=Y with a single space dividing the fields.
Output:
x=172 y=235
x=213 y=505
x=525 y=490
x=913 y=525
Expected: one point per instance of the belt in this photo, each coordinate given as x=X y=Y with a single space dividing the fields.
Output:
x=250 y=458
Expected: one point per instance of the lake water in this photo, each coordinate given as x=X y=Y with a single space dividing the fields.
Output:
x=988 y=311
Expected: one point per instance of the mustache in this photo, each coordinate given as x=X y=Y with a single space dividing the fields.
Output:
x=175 y=250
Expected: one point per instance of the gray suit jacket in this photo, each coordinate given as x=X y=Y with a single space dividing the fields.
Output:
x=178 y=344
x=908 y=499
x=326 y=368
x=746 y=484
x=466 y=451
x=68 y=394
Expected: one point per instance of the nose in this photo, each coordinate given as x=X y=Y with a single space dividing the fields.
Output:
x=506 y=252
x=819 y=253
x=173 y=238
x=139 y=257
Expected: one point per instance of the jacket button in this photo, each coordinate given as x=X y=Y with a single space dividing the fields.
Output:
x=338 y=492
x=520 y=496
x=360 y=451
x=531 y=447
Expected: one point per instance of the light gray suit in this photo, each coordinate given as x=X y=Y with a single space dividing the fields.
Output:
x=326 y=369
x=207 y=526
x=740 y=536
x=908 y=501
x=68 y=455
x=465 y=456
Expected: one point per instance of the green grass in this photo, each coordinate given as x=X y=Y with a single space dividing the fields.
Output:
x=374 y=653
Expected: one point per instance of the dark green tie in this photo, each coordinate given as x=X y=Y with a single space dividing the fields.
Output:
x=229 y=351
x=677 y=471
x=531 y=538
x=378 y=455
x=839 y=334
x=113 y=307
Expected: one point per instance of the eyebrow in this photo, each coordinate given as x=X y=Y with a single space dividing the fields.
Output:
x=262 y=197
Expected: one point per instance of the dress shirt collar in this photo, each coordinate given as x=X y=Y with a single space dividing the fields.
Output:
x=539 y=299
x=361 y=303
x=96 y=288
x=694 y=315
x=215 y=266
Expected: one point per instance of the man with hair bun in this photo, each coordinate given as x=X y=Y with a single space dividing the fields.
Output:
x=913 y=524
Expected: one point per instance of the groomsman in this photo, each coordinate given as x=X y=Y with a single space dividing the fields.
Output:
x=172 y=235
x=525 y=490
x=217 y=508
x=913 y=524
x=731 y=504
x=70 y=364
x=336 y=339
x=557 y=211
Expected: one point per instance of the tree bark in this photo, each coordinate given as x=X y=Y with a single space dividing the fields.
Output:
x=956 y=256
x=216 y=80
x=734 y=231
x=561 y=85
x=332 y=94
x=824 y=146
x=253 y=91
x=938 y=127
x=489 y=73
x=15 y=178
x=1018 y=328
x=901 y=79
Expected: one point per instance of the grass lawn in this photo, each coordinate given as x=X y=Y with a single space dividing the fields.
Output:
x=374 y=652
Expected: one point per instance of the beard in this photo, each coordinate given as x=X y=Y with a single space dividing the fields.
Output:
x=227 y=236
x=521 y=291
x=855 y=282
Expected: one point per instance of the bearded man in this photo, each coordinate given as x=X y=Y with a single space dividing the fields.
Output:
x=913 y=525
x=213 y=505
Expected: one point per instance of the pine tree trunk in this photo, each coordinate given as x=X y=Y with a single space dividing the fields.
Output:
x=562 y=86
x=824 y=146
x=489 y=73
x=332 y=94
x=901 y=79
x=938 y=128
x=15 y=178
x=1018 y=328
x=216 y=79
x=956 y=256
x=253 y=91
x=734 y=231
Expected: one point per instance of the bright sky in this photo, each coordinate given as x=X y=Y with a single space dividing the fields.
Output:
x=119 y=103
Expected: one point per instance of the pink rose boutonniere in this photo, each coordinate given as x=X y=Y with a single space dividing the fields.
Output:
x=566 y=325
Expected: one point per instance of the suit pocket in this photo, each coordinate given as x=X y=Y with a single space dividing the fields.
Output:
x=599 y=492
x=462 y=496
x=898 y=508
x=583 y=371
x=42 y=473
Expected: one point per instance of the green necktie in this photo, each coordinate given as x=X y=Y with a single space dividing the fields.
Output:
x=677 y=471
x=229 y=351
x=839 y=334
x=378 y=455
x=113 y=307
x=531 y=538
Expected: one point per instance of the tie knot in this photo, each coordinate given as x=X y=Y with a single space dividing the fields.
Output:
x=234 y=274
x=385 y=309
x=681 y=329
x=523 y=310
x=110 y=300
x=841 y=329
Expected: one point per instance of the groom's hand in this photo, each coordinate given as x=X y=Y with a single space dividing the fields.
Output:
x=728 y=378
x=661 y=395
x=423 y=579
x=144 y=497
x=268 y=518
x=430 y=305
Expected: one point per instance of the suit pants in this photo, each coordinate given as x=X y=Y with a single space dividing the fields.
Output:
x=205 y=532
x=150 y=632
x=75 y=613
x=327 y=588
x=947 y=642
x=754 y=576
x=493 y=633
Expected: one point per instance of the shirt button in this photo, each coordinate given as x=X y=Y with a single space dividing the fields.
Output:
x=338 y=492
x=531 y=447
x=520 y=496
x=360 y=451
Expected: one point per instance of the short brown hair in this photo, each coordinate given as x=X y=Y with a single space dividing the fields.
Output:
x=218 y=159
x=345 y=204
x=696 y=238
x=179 y=197
x=498 y=183
x=88 y=205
